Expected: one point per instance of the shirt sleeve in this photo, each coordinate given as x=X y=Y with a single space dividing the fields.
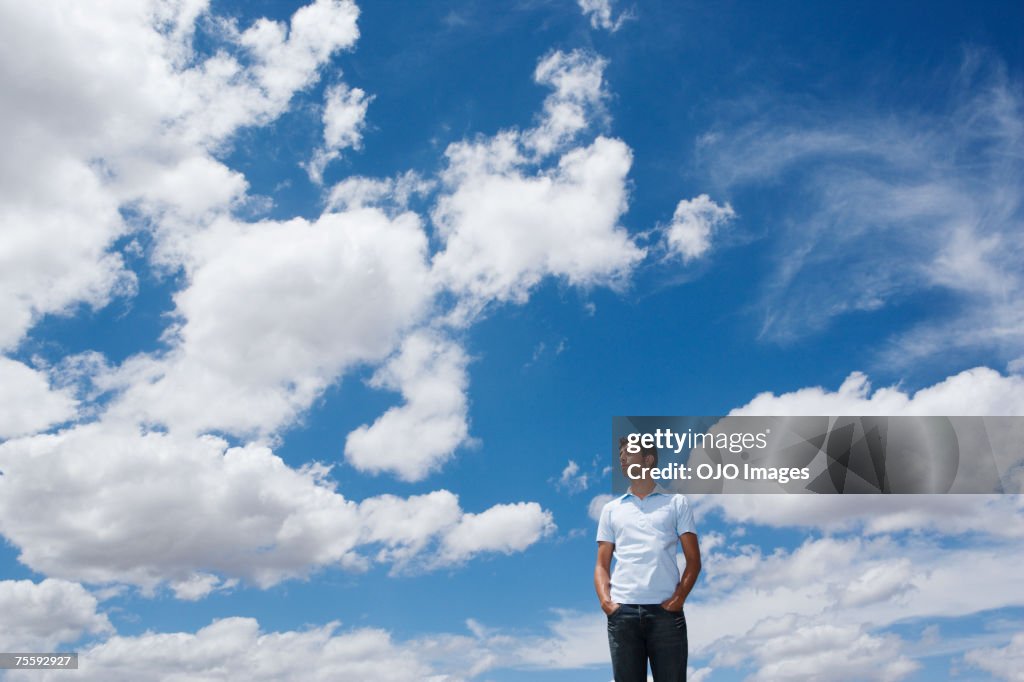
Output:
x=605 y=532
x=684 y=516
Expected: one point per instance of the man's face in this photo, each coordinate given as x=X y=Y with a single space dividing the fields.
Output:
x=627 y=459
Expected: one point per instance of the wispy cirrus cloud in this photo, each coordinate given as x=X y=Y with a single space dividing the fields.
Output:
x=602 y=14
x=882 y=207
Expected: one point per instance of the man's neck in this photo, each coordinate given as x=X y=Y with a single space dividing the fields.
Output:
x=642 y=487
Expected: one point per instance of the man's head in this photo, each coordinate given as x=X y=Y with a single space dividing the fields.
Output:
x=647 y=457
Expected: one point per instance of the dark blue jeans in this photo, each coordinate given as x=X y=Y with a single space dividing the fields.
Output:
x=638 y=632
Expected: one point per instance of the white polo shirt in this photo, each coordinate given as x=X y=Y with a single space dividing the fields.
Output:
x=646 y=536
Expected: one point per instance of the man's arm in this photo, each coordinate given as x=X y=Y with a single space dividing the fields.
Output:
x=691 y=551
x=603 y=576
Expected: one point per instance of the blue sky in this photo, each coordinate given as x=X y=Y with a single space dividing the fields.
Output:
x=314 y=319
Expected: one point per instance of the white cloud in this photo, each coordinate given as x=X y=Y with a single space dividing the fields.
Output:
x=506 y=224
x=389 y=193
x=289 y=57
x=882 y=581
x=135 y=125
x=417 y=437
x=504 y=231
x=147 y=509
x=233 y=647
x=29 y=403
x=979 y=391
x=822 y=582
x=273 y=313
x=783 y=618
x=793 y=651
x=35 y=277
x=144 y=508
x=236 y=648
x=600 y=13
x=39 y=616
x=344 y=119
x=405 y=527
x=505 y=528
x=192 y=189
x=697 y=674
x=199 y=585
x=1005 y=663
x=693 y=223
x=577 y=79
x=998 y=515
x=597 y=504
x=747 y=620
x=571 y=479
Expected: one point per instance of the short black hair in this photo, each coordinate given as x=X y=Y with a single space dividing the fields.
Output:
x=645 y=451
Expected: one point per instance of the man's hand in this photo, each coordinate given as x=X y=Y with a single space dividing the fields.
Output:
x=673 y=604
x=691 y=551
x=602 y=577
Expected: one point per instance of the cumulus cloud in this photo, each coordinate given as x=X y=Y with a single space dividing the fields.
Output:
x=35 y=277
x=30 y=404
x=386 y=193
x=273 y=313
x=882 y=581
x=144 y=508
x=403 y=527
x=344 y=119
x=39 y=616
x=979 y=391
x=998 y=515
x=787 y=650
x=417 y=437
x=504 y=230
x=199 y=585
x=597 y=504
x=288 y=57
x=504 y=528
x=577 y=79
x=787 y=614
x=270 y=313
x=137 y=124
x=1004 y=663
x=506 y=224
x=750 y=595
x=750 y=602
x=689 y=234
x=233 y=648
x=149 y=509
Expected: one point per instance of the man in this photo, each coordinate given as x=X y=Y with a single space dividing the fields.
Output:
x=644 y=598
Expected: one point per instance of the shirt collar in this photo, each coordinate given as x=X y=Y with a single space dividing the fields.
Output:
x=658 y=490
